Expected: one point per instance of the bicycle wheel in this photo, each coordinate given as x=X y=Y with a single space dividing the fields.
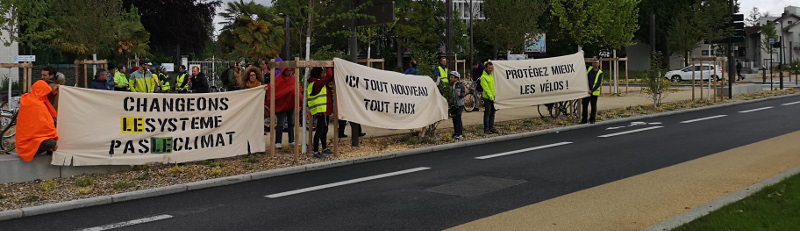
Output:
x=548 y=110
x=469 y=102
x=8 y=140
x=557 y=109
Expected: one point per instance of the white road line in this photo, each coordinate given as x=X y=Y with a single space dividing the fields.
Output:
x=757 y=109
x=701 y=119
x=631 y=131
x=521 y=150
x=353 y=181
x=128 y=223
x=792 y=103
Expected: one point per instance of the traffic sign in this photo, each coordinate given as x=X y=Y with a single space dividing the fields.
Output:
x=25 y=58
x=771 y=41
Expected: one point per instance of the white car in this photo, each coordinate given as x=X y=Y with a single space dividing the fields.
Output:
x=686 y=73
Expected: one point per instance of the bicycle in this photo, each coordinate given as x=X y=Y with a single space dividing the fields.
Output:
x=472 y=101
x=568 y=108
x=8 y=118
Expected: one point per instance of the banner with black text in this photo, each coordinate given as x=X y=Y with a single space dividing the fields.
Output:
x=521 y=83
x=386 y=99
x=98 y=127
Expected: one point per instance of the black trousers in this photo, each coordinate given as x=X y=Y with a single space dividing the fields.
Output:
x=458 y=125
x=488 y=114
x=321 y=131
x=46 y=146
x=585 y=102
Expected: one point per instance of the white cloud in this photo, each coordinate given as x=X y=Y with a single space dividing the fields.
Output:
x=774 y=7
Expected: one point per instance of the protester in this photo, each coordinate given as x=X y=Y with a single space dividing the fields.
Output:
x=284 y=104
x=120 y=80
x=595 y=76
x=36 y=120
x=251 y=78
x=164 y=79
x=413 y=70
x=110 y=78
x=477 y=71
x=440 y=74
x=487 y=83
x=199 y=82
x=182 y=81
x=100 y=81
x=231 y=76
x=320 y=106
x=458 y=97
x=142 y=79
x=53 y=80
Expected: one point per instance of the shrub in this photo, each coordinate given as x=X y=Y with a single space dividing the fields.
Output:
x=83 y=182
x=144 y=176
x=123 y=185
x=177 y=169
x=47 y=185
x=85 y=190
x=216 y=171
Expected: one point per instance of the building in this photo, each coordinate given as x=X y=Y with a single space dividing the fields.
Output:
x=788 y=27
x=462 y=6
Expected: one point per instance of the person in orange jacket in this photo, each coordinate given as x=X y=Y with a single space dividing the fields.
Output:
x=36 y=121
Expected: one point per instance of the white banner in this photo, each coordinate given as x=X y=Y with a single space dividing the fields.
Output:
x=540 y=81
x=386 y=99
x=98 y=127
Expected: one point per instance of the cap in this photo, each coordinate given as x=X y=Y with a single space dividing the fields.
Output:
x=145 y=62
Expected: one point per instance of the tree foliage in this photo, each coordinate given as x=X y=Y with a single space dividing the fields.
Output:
x=83 y=25
x=611 y=23
x=768 y=31
x=251 y=30
x=682 y=36
x=656 y=86
x=25 y=21
x=418 y=27
x=622 y=23
x=172 y=23
x=130 y=37
x=512 y=28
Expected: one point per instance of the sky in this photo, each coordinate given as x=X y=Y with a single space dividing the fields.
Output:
x=774 y=7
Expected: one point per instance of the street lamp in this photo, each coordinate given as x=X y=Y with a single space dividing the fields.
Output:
x=780 y=54
x=286 y=34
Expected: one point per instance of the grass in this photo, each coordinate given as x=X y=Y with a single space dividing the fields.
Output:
x=772 y=208
x=123 y=185
x=83 y=182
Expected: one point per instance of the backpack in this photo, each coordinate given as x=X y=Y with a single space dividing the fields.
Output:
x=225 y=77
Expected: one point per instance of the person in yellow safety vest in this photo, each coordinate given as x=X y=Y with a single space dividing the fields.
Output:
x=595 y=76
x=440 y=74
x=120 y=80
x=163 y=80
x=142 y=79
x=319 y=104
x=487 y=83
x=182 y=81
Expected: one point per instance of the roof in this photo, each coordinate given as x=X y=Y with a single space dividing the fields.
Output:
x=750 y=30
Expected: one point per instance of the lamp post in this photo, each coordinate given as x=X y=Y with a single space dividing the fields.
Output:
x=286 y=31
x=780 y=54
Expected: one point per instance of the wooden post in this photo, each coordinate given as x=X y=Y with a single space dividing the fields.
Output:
x=296 y=110
x=25 y=81
x=701 y=79
x=335 y=123
x=626 y=76
x=76 y=73
x=272 y=111
x=85 y=78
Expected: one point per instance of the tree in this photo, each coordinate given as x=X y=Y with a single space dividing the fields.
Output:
x=768 y=31
x=752 y=18
x=655 y=85
x=251 y=30
x=622 y=24
x=683 y=37
x=25 y=21
x=130 y=37
x=512 y=28
x=580 y=19
x=418 y=28
x=183 y=26
x=83 y=25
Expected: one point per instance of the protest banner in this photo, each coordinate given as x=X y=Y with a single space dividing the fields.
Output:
x=539 y=81
x=98 y=127
x=386 y=99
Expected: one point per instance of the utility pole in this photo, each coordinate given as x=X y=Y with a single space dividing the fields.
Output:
x=731 y=64
x=780 y=53
x=353 y=43
x=286 y=36
x=471 y=52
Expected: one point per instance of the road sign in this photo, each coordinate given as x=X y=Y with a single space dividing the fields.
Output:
x=771 y=41
x=25 y=58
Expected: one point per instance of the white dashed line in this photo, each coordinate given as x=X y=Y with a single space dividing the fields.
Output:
x=353 y=181
x=128 y=223
x=701 y=119
x=757 y=109
x=521 y=150
x=631 y=131
x=792 y=103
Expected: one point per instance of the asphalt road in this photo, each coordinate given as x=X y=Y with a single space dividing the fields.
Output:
x=406 y=193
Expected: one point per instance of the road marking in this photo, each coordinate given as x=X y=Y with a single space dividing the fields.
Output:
x=614 y=128
x=521 y=150
x=353 y=181
x=128 y=223
x=757 y=109
x=701 y=119
x=631 y=131
x=792 y=103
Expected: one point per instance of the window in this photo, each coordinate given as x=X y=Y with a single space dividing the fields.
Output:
x=704 y=53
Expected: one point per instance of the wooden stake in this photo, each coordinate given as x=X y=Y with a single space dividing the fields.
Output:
x=296 y=111
x=272 y=111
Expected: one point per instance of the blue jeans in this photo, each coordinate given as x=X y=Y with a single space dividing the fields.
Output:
x=458 y=125
x=282 y=118
x=321 y=133
x=488 y=114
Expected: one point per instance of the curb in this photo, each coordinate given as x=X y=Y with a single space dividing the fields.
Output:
x=714 y=205
x=153 y=192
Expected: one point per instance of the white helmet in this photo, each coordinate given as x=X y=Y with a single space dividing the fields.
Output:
x=456 y=74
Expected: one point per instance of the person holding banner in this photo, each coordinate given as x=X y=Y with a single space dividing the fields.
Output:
x=182 y=82
x=120 y=80
x=487 y=83
x=595 y=76
x=36 y=121
x=198 y=80
x=320 y=106
x=142 y=79
x=458 y=96
x=413 y=70
x=250 y=79
x=100 y=81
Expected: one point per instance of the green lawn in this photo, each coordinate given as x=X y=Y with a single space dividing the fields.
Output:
x=775 y=207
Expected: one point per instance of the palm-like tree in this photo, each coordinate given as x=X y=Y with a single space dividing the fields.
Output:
x=250 y=30
x=130 y=36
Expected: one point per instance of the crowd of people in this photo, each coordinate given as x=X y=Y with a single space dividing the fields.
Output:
x=37 y=116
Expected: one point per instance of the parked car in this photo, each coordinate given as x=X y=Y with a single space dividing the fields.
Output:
x=686 y=73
